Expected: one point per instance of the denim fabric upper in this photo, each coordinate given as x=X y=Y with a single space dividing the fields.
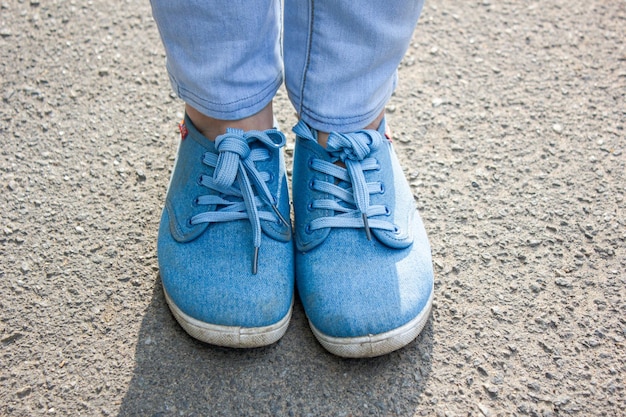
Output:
x=352 y=284
x=340 y=57
x=209 y=231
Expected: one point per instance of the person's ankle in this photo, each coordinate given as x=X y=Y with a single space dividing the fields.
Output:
x=212 y=128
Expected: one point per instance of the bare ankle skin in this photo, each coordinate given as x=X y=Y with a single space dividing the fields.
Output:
x=322 y=137
x=212 y=128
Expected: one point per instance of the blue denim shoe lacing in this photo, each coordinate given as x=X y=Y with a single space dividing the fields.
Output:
x=236 y=162
x=352 y=192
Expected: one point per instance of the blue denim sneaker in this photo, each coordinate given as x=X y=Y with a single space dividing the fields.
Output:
x=363 y=262
x=224 y=247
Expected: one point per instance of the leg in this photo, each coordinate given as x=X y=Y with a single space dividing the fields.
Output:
x=224 y=246
x=341 y=58
x=363 y=265
x=223 y=59
x=211 y=127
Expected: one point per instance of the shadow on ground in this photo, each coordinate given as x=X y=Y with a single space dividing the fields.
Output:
x=177 y=375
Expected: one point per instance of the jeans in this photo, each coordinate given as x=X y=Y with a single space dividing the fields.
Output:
x=338 y=58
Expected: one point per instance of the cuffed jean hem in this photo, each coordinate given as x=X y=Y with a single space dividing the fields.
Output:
x=234 y=110
x=324 y=123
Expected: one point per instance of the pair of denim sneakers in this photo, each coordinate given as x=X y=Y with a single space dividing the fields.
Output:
x=361 y=259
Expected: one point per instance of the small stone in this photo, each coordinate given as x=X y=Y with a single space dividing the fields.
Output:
x=561 y=282
x=25 y=267
x=491 y=390
x=9 y=93
x=557 y=127
x=534 y=386
x=11 y=338
x=24 y=392
x=103 y=72
x=79 y=229
x=437 y=101
x=12 y=185
x=486 y=412
x=561 y=401
x=404 y=139
x=141 y=176
x=390 y=109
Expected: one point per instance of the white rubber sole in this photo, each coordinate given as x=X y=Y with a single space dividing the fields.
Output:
x=230 y=336
x=378 y=344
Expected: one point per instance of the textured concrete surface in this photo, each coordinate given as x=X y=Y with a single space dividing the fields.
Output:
x=509 y=120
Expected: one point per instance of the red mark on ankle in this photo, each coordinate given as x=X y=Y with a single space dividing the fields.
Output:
x=388 y=133
x=183 y=130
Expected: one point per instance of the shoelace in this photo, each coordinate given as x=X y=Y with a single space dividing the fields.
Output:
x=236 y=162
x=351 y=202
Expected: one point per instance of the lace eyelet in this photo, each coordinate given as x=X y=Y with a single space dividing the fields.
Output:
x=378 y=166
x=312 y=185
x=189 y=224
x=396 y=230
x=309 y=206
x=387 y=211
x=382 y=188
x=271 y=178
x=199 y=179
x=310 y=162
x=195 y=202
x=307 y=229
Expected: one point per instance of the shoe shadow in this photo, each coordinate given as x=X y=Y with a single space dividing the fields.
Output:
x=176 y=375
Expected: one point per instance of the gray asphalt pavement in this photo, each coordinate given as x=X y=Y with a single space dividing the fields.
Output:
x=509 y=120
